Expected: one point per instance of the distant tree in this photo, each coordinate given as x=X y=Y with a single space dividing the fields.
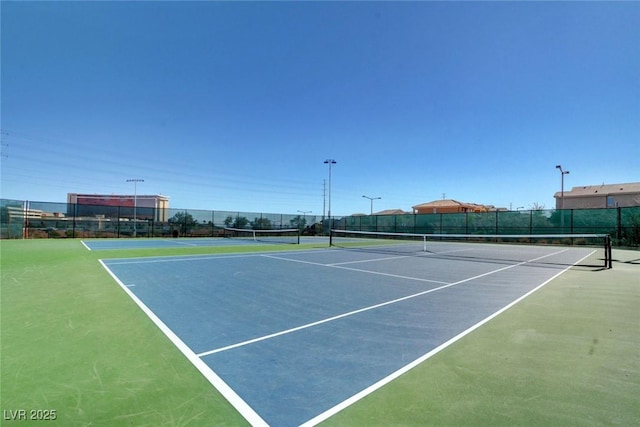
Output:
x=183 y=222
x=298 y=222
x=237 y=222
x=240 y=222
x=261 y=224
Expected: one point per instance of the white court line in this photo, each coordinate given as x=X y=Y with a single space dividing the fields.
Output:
x=319 y=322
x=241 y=406
x=85 y=245
x=418 y=253
x=368 y=260
x=180 y=242
x=361 y=310
x=199 y=257
x=348 y=402
x=360 y=395
x=174 y=258
x=355 y=269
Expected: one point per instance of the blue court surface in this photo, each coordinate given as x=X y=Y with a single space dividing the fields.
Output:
x=158 y=243
x=290 y=338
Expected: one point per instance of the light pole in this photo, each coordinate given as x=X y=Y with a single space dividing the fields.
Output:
x=562 y=174
x=324 y=198
x=330 y=162
x=135 y=201
x=372 y=199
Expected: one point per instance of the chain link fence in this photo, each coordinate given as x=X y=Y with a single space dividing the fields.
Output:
x=23 y=219
x=622 y=224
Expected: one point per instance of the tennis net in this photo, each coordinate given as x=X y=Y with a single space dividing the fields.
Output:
x=591 y=250
x=289 y=235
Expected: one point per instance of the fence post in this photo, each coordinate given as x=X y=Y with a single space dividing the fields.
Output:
x=571 y=221
x=466 y=223
x=75 y=216
x=155 y=217
x=25 y=220
x=619 y=225
x=184 y=225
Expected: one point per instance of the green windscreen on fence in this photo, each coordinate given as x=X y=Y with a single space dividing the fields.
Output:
x=27 y=219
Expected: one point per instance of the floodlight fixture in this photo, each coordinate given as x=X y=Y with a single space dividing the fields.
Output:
x=372 y=199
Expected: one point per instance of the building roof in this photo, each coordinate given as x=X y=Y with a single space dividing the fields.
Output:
x=440 y=204
x=391 y=212
x=119 y=196
x=448 y=203
x=601 y=190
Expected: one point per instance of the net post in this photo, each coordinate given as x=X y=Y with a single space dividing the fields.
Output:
x=330 y=237
x=424 y=243
x=607 y=250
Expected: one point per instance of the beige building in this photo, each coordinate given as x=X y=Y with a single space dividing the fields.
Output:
x=600 y=196
x=99 y=204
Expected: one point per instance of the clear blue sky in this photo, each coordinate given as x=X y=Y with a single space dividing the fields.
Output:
x=235 y=106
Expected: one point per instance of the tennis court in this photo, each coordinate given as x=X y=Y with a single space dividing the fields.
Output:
x=117 y=244
x=293 y=337
x=233 y=237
